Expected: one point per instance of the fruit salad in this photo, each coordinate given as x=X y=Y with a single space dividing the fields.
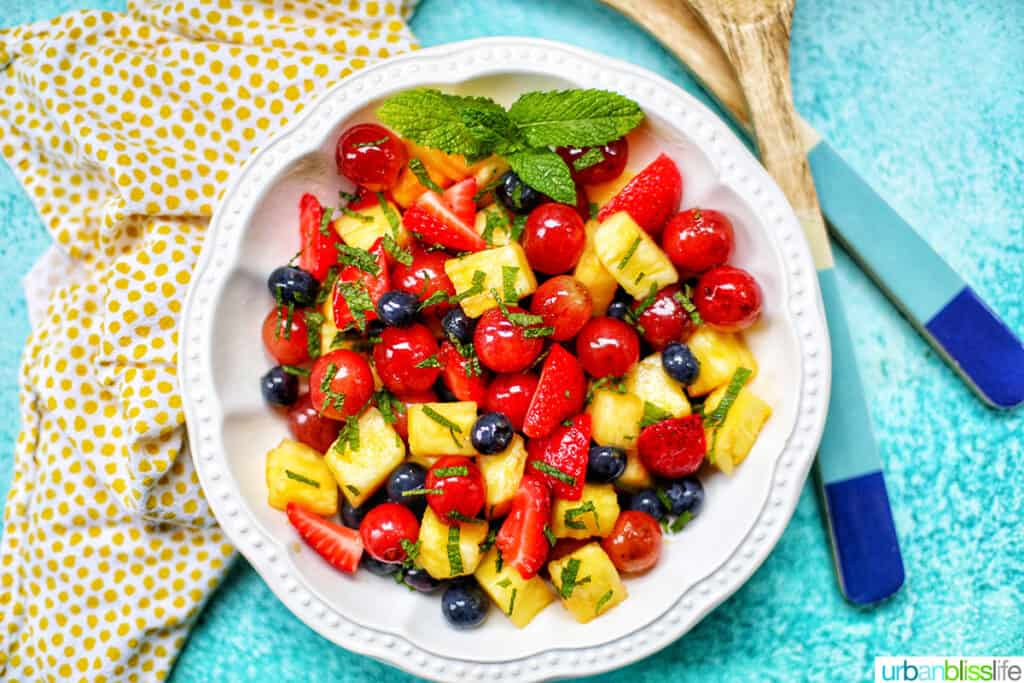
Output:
x=507 y=356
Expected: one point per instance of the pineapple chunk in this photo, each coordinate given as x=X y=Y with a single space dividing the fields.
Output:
x=619 y=235
x=490 y=262
x=594 y=514
x=444 y=169
x=434 y=538
x=362 y=471
x=297 y=474
x=615 y=418
x=635 y=477
x=737 y=434
x=719 y=354
x=424 y=461
x=648 y=381
x=602 y=193
x=363 y=233
x=521 y=600
x=594 y=276
x=590 y=599
x=500 y=232
x=487 y=171
x=429 y=437
x=502 y=472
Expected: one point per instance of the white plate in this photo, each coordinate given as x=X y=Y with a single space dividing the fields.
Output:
x=221 y=359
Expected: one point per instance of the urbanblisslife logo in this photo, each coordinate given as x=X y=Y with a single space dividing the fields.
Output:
x=949 y=669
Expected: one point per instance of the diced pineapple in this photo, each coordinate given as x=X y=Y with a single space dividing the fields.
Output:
x=487 y=171
x=431 y=436
x=586 y=600
x=719 y=354
x=632 y=257
x=615 y=418
x=594 y=514
x=424 y=461
x=296 y=473
x=491 y=263
x=602 y=193
x=737 y=434
x=648 y=381
x=635 y=477
x=520 y=600
x=362 y=233
x=434 y=539
x=444 y=169
x=360 y=472
x=502 y=472
x=498 y=235
x=594 y=276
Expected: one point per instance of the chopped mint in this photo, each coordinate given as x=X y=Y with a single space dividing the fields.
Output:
x=420 y=171
x=301 y=478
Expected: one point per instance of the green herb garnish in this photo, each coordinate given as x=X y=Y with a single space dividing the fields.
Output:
x=356 y=215
x=420 y=171
x=332 y=398
x=429 y=362
x=663 y=497
x=457 y=471
x=295 y=370
x=629 y=253
x=354 y=490
x=492 y=536
x=388 y=405
x=422 y=492
x=602 y=601
x=681 y=521
x=653 y=414
x=594 y=209
x=685 y=299
x=592 y=157
x=479 y=278
x=717 y=417
x=360 y=258
x=508 y=283
x=358 y=300
x=305 y=480
x=327 y=286
x=349 y=434
x=550 y=535
x=454 y=552
x=553 y=471
x=412 y=550
x=459 y=517
x=325 y=220
x=569 y=580
x=572 y=514
x=518 y=226
x=444 y=422
x=372 y=143
x=512 y=602
x=314 y=322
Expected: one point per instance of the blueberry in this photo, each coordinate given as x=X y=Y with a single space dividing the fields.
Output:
x=605 y=464
x=492 y=433
x=618 y=310
x=458 y=326
x=680 y=363
x=279 y=388
x=397 y=308
x=377 y=567
x=464 y=605
x=517 y=195
x=406 y=477
x=419 y=579
x=647 y=501
x=686 y=495
x=351 y=516
x=291 y=285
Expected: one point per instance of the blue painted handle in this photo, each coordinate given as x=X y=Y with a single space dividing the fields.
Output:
x=864 y=542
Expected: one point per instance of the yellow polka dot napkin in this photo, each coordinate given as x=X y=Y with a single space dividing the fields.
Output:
x=124 y=129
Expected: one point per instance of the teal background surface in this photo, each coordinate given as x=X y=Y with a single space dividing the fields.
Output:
x=925 y=98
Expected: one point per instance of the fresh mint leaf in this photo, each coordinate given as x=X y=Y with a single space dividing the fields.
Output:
x=493 y=127
x=546 y=172
x=576 y=118
x=436 y=119
x=592 y=157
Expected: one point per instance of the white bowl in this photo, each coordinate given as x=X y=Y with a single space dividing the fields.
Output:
x=230 y=429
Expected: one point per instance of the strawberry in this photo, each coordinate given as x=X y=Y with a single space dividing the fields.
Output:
x=521 y=538
x=561 y=458
x=367 y=199
x=318 y=246
x=459 y=198
x=461 y=380
x=673 y=448
x=651 y=197
x=434 y=222
x=560 y=393
x=374 y=284
x=337 y=544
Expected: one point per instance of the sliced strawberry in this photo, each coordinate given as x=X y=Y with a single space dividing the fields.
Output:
x=651 y=197
x=561 y=458
x=459 y=198
x=673 y=448
x=367 y=199
x=434 y=222
x=459 y=375
x=318 y=252
x=560 y=393
x=373 y=284
x=337 y=544
x=521 y=539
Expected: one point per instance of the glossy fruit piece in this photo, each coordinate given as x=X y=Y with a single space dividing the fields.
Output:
x=420 y=580
x=679 y=363
x=564 y=303
x=424 y=277
x=397 y=308
x=521 y=540
x=477 y=296
x=502 y=345
x=278 y=387
x=697 y=240
x=466 y=381
x=461 y=487
x=375 y=284
x=728 y=298
x=631 y=256
x=593 y=275
x=605 y=464
x=673 y=448
x=285 y=336
x=401 y=423
x=606 y=346
x=517 y=196
x=293 y=457
x=618 y=310
x=635 y=542
x=434 y=222
x=665 y=320
x=553 y=238
x=464 y=605
x=560 y=393
x=651 y=197
x=340 y=384
x=352 y=515
x=291 y=285
x=511 y=394
x=615 y=157
x=408 y=476
x=340 y=546
x=686 y=495
x=459 y=198
x=646 y=501
x=560 y=459
x=458 y=326
x=403 y=359
x=370 y=155
x=310 y=427
x=319 y=247
x=492 y=433
x=385 y=527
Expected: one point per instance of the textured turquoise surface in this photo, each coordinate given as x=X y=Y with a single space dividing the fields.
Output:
x=926 y=99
